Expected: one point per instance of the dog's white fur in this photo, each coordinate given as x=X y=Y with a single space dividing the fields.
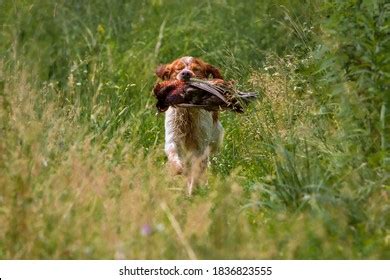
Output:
x=191 y=135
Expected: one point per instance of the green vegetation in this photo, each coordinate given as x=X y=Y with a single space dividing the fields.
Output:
x=303 y=174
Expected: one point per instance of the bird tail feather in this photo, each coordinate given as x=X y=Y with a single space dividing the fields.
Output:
x=246 y=97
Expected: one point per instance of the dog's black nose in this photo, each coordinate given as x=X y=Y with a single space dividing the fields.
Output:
x=185 y=75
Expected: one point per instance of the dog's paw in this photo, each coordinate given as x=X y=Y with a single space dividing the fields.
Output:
x=175 y=167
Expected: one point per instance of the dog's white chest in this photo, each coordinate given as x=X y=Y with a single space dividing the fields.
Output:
x=191 y=130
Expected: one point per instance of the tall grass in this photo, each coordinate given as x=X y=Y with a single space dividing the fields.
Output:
x=304 y=174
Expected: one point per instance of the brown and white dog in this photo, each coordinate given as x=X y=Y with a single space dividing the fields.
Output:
x=191 y=135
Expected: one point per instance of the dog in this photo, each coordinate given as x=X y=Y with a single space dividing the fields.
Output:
x=191 y=135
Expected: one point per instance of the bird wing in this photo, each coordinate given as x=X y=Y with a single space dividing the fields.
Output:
x=208 y=87
x=206 y=107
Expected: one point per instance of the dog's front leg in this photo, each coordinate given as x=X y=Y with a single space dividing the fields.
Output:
x=175 y=162
x=198 y=171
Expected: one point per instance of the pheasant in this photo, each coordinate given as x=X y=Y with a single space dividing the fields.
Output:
x=211 y=95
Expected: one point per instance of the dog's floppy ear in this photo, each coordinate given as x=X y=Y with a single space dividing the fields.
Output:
x=162 y=71
x=213 y=71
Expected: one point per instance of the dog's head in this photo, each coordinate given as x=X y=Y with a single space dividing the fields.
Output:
x=187 y=67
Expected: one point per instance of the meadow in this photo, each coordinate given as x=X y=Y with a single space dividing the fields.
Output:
x=304 y=173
